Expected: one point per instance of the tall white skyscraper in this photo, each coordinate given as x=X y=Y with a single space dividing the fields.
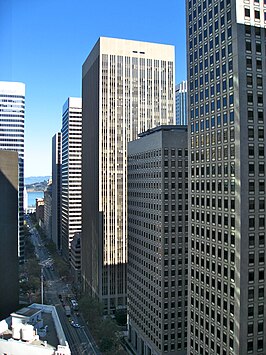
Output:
x=227 y=91
x=56 y=189
x=12 y=115
x=71 y=171
x=128 y=88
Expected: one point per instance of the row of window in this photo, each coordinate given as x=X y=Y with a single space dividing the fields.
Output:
x=211 y=123
x=197 y=22
x=257 y=14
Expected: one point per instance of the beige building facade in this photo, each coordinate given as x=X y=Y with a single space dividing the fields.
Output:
x=128 y=87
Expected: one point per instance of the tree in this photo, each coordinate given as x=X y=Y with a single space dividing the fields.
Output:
x=34 y=283
x=92 y=309
x=61 y=266
x=109 y=340
x=29 y=249
x=121 y=317
x=33 y=268
x=26 y=230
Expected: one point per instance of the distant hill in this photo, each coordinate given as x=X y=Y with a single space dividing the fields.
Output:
x=35 y=179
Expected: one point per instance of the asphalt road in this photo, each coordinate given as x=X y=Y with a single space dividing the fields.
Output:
x=79 y=339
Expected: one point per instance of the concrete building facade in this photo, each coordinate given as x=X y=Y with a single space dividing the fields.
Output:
x=9 y=295
x=47 y=210
x=71 y=172
x=157 y=241
x=56 y=189
x=39 y=211
x=226 y=66
x=127 y=88
x=12 y=115
x=75 y=259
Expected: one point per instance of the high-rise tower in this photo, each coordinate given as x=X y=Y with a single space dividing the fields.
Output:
x=181 y=103
x=71 y=172
x=12 y=114
x=128 y=87
x=56 y=188
x=9 y=295
x=157 y=241
x=226 y=84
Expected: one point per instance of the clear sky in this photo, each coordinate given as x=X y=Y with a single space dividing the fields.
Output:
x=44 y=43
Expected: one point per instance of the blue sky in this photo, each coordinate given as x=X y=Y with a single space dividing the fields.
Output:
x=44 y=44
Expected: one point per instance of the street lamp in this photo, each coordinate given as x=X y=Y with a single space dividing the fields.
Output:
x=43 y=264
x=42 y=288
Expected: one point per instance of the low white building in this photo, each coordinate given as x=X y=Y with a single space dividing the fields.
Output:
x=35 y=329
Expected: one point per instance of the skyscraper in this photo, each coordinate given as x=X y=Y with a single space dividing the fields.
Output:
x=226 y=66
x=181 y=103
x=12 y=114
x=127 y=88
x=56 y=188
x=71 y=171
x=157 y=241
x=47 y=211
x=9 y=295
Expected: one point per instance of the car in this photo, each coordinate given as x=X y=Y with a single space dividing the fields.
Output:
x=75 y=325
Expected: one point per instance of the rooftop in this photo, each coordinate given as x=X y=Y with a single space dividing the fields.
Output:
x=27 y=312
x=36 y=325
x=163 y=128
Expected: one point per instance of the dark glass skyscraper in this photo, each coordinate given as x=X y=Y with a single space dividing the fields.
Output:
x=9 y=295
x=226 y=101
x=181 y=103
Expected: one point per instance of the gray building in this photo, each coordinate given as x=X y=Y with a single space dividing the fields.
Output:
x=181 y=103
x=127 y=88
x=12 y=115
x=56 y=188
x=8 y=233
x=157 y=241
x=226 y=91
x=75 y=259
x=71 y=172
x=47 y=210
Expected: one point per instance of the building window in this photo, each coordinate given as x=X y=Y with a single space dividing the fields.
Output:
x=247 y=12
x=250 y=98
x=248 y=46
x=250 y=346
x=249 y=80
x=257 y=15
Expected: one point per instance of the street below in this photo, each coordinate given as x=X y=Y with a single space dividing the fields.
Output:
x=57 y=292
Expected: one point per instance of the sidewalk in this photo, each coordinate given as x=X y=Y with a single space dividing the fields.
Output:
x=128 y=347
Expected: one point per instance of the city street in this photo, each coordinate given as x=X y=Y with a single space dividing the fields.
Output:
x=79 y=337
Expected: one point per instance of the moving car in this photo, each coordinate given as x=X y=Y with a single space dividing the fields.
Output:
x=75 y=325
